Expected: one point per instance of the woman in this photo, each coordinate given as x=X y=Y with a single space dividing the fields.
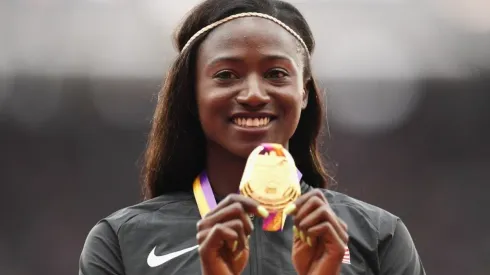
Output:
x=242 y=78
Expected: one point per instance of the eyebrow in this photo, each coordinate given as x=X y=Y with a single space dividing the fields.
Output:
x=234 y=59
x=223 y=59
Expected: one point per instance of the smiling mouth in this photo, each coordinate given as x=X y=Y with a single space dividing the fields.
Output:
x=249 y=122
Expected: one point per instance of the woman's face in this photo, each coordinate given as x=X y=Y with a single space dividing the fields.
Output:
x=250 y=86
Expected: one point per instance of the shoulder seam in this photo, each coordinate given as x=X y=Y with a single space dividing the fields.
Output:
x=356 y=207
x=147 y=212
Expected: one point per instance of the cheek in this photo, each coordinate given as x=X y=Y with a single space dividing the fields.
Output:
x=292 y=106
x=203 y=97
x=212 y=109
x=207 y=119
x=206 y=112
x=212 y=104
x=293 y=103
x=204 y=107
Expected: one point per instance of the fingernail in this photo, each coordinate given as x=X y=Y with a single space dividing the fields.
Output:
x=235 y=245
x=302 y=235
x=249 y=237
x=295 y=231
x=308 y=241
x=262 y=211
x=238 y=255
x=289 y=208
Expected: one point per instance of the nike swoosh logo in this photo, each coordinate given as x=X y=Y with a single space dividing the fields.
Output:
x=154 y=260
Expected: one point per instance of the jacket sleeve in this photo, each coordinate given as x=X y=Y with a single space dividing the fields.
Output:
x=101 y=254
x=397 y=253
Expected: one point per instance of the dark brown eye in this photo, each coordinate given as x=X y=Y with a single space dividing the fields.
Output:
x=276 y=74
x=225 y=75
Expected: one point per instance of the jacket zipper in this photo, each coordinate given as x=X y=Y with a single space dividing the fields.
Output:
x=255 y=247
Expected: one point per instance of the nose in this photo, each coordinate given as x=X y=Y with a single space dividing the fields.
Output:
x=253 y=95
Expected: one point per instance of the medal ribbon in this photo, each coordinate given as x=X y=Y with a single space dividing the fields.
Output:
x=204 y=194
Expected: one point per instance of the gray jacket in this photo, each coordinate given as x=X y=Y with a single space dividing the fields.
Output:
x=158 y=237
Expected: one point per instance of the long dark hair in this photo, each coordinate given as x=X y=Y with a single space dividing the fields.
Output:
x=175 y=153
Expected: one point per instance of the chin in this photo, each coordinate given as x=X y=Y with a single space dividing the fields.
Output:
x=243 y=150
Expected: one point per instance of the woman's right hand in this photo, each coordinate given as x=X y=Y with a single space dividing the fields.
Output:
x=223 y=234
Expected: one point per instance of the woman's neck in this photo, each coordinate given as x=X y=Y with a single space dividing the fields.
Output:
x=224 y=169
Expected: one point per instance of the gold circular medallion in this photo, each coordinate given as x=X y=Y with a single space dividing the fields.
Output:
x=271 y=177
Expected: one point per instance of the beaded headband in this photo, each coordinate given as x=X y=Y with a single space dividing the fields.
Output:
x=241 y=15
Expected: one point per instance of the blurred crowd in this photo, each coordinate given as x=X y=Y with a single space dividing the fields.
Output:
x=407 y=89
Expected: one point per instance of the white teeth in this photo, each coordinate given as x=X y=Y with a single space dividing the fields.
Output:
x=252 y=122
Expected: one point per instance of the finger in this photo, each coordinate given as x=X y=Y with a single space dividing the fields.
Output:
x=332 y=234
x=236 y=245
x=201 y=235
x=292 y=208
x=249 y=205
x=216 y=238
x=304 y=198
x=296 y=236
x=307 y=208
x=342 y=223
x=326 y=232
x=242 y=241
x=299 y=237
x=304 y=209
x=323 y=214
x=230 y=212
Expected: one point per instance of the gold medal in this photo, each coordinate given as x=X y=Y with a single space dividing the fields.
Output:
x=271 y=178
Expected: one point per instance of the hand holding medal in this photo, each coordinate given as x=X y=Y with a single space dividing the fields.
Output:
x=269 y=188
x=320 y=237
x=223 y=233
x=269 y=183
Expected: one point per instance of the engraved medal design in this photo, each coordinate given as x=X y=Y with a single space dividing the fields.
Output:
x=271 y=178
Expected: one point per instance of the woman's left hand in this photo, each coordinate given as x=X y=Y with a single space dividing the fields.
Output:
x=320 y=237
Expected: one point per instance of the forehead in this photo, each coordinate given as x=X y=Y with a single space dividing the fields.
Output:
x=250 y=35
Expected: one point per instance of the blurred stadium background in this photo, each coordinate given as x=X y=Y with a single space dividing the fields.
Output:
x=408 y=92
